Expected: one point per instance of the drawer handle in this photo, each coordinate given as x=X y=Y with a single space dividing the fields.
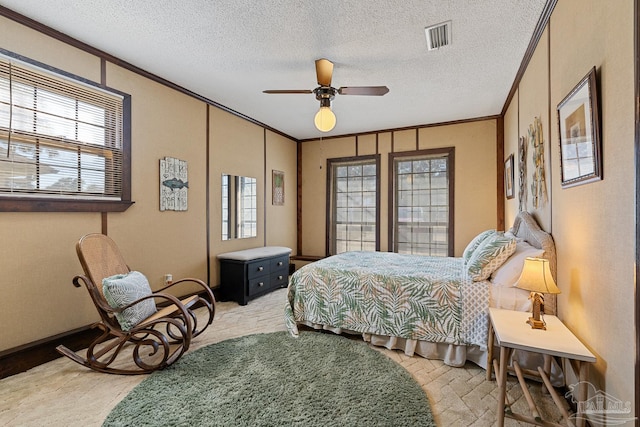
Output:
x=279 y=277
x=261 y=284
x=260 y=268
x=279 y=263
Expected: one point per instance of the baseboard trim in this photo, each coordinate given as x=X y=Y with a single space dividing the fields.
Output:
x=22 y=358
x=25 y=357
x=306 y=258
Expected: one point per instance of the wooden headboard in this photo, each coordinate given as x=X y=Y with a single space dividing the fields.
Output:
x=526 y=227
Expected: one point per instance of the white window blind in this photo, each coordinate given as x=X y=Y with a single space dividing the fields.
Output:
x=59 y=137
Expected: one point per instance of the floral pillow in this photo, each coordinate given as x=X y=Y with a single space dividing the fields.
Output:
x=473 y=245
x=490 y=255
x=123 y=289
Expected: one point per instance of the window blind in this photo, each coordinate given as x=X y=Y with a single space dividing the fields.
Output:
x=59 y=137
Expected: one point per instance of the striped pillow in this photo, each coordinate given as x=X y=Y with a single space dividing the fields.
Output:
x=473 y=245
x=490 y=255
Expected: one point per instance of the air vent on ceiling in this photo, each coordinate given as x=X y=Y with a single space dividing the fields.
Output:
x=438 y=35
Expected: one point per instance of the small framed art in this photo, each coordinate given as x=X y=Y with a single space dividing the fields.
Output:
x=277 y=188
x=508 y=177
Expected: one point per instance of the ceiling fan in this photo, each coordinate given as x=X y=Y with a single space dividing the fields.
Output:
x=325 y=120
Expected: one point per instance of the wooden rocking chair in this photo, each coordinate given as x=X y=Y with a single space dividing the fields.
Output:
x=154 y=342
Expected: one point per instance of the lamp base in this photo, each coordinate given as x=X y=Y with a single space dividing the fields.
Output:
x=536 y=324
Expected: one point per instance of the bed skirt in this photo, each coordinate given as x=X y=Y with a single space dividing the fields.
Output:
x=451 y=354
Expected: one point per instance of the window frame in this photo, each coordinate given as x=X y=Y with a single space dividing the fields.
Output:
x=49 y=203
x=449 y=152
x=373 y=158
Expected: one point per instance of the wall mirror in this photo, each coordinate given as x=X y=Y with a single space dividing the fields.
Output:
x=580 y=159
x=239 y=207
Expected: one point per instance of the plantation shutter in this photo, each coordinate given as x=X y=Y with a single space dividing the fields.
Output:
x=59 y=137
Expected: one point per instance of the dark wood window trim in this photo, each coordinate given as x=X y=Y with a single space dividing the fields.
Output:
x=330 y=163
x=450 y=152
x=70 y=204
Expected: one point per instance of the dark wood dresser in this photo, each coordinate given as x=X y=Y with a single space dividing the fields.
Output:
x=250 y=273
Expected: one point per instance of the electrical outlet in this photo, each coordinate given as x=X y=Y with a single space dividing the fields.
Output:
x=168 y=278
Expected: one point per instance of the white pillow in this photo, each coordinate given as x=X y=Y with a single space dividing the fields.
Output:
x=509 y=272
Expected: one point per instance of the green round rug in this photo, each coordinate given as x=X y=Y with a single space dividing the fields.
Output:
x=317 y=379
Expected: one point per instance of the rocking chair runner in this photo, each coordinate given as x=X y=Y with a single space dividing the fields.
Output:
x=158 y=340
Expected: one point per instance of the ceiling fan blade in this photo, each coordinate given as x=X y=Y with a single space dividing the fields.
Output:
x=363 y=90
x=288 y=91
x=324 y=71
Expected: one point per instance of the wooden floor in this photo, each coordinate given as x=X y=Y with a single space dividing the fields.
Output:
x=62 y=393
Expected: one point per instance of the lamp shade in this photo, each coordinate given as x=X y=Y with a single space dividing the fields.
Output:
x=536 y=277
x=325 y=120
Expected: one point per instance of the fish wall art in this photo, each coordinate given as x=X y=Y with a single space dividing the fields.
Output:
x=174 y=184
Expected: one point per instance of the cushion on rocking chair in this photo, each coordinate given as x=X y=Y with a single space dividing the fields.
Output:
x=123 y=289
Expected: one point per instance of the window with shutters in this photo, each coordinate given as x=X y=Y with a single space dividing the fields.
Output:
x=64 y=141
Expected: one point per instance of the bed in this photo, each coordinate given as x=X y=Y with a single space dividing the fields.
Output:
x=435 y=307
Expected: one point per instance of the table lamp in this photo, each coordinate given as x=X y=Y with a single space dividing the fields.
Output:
x=536 y=277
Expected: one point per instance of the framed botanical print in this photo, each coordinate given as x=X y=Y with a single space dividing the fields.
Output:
x=277 y=187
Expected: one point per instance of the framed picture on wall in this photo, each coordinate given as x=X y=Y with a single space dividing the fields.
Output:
x=277 y=187
x=579 y=133
x=508 y=177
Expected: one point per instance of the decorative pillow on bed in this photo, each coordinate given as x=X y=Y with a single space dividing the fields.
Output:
x=123 y=289
x=473 y=244
x=509 y=272
x=490 y=255
x=508 y=233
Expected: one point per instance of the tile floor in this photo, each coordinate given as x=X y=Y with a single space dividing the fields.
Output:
x=63 y=393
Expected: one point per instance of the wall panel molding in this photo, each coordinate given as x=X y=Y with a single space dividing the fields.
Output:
x=533 y=43
x=44 y=29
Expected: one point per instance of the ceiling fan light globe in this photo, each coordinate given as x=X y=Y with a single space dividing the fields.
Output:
x=325 y=120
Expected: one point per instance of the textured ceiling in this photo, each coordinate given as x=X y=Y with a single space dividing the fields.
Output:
x=229 y=51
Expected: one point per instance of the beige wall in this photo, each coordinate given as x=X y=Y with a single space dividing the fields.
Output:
x=475 y=177
x=534 y=103
x=38 y=258
x=162 y=121
x=592 y=224
x=511 y=137
x=281 y=227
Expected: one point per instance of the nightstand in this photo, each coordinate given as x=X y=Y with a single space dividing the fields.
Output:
x=513 y=333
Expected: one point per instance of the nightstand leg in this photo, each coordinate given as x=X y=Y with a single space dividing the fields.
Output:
x=501 y=378
x=490 y=352
x=547 y=370
x=582 y=394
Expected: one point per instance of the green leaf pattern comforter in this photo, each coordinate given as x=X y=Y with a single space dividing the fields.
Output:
x=408 y=296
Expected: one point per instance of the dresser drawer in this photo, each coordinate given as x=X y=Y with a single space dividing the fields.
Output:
x=258 y=268
x=280 y=262
x=280 y=278
x=258 y=285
